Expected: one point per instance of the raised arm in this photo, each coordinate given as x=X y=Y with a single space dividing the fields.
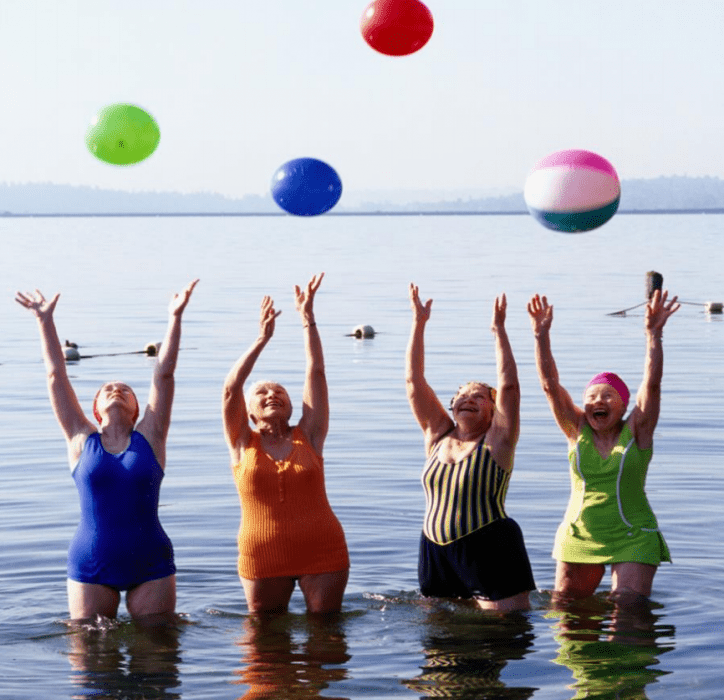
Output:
x=567 y=414
x=426 y=407
x=233 y=404
x=315 y=411
x=67 y=409
x=645 y=415
x=157 y=417
x=506 y=421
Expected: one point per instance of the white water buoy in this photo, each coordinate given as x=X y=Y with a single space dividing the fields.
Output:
x=714 y=307
x=364 y=332
x=152 y=349
x=71 y=353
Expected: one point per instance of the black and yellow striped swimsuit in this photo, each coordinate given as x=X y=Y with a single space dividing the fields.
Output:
x=462 y=497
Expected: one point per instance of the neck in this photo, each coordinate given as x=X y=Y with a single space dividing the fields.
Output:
x=273 y=429
x=609 y=432
x=467 y=433
x=116 y=425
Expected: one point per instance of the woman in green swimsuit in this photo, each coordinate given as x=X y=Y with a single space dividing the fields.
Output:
x=609 y=519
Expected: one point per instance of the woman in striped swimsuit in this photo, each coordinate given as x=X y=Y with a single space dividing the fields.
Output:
x=469 y=547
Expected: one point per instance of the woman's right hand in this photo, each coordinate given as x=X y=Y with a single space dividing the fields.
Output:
x=420 y=311
x=267 y=318
x=541 y=314
x=37 y=303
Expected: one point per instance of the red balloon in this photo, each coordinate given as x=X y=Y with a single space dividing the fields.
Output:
x=396 y=27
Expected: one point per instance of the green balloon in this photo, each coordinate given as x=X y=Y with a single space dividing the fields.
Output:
x=122 y=134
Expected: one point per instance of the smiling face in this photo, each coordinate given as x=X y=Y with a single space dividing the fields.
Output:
x=474 y=402
x=115 y=395
x=603 y=406
x=268 y=400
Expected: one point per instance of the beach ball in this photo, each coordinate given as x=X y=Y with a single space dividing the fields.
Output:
x=396 y=27
x=306 y=187
x=122 y=134
x=572 y=191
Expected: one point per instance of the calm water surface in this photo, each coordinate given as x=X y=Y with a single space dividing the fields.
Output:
x=116 y=277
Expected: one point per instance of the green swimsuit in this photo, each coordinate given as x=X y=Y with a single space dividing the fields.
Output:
x=609 y=519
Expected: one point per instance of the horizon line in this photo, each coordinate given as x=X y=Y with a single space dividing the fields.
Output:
x=13 y=215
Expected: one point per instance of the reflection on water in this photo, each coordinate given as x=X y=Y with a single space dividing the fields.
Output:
x=111 y=659
x=611 y=647
x=466 y=651
x=287 y=656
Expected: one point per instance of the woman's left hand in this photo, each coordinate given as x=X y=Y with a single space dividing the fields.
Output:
x=179 y=301
x=499 y=309
x=304 y=300
x=658 y=310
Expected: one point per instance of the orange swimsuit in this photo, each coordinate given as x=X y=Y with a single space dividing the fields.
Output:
x=287 y=525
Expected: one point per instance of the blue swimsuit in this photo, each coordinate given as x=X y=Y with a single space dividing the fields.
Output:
x=119 y=541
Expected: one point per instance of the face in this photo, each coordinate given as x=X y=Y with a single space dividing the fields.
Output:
x=268 y=400
x=115 y=394
x=473 y=401
x=603 y=405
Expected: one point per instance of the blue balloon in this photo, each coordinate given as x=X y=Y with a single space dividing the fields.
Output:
x=306 y=187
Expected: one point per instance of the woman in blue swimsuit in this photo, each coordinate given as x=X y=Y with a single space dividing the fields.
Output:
x=119 y=544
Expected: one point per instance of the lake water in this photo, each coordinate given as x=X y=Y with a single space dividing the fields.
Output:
x=116 y=276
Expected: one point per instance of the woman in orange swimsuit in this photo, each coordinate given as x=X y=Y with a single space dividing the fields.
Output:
x=288 y=531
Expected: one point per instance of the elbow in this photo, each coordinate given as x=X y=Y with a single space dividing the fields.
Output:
x=411 y=383
x=164 y=374
x=510 y=388
x=549 y=387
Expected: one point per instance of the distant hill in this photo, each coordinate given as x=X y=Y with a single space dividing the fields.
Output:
x=48 y=198
x=658 y=194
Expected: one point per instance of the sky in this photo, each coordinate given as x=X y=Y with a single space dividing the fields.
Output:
x=240 y=87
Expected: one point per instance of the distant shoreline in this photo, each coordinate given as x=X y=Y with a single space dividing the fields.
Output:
x=11 y=215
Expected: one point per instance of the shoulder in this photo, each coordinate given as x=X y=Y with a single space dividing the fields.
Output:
x=250 y=445
x=300 y=436
x=434 y=440
x=140 y=439
x=80 y=443
x=644 y=438
x=77 y=443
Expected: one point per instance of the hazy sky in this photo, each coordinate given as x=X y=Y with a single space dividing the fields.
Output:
x=239 y=87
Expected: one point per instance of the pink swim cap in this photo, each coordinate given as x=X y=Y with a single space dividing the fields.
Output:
x=612 y=380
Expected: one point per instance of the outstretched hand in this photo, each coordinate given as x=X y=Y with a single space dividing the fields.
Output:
x=420 y=311
x=267 y=318
x=499 y=309
x=37 y=303
x=541 y=314
x=658 y=310
x=304 y=299
x=179 y=301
